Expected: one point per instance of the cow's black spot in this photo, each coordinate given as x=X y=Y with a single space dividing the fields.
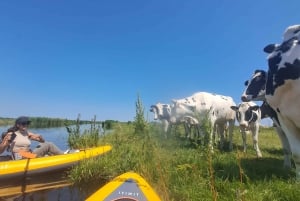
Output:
x=250 y=116
x=286 y=45
x=274 y=61
x=269 y=48
x=267 y=111
x=238 y=116
x=297 y=30
x=254 y=117
x=273 y=68
x=289 y=72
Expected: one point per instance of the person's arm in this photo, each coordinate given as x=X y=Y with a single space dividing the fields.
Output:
x=4 y=144
x=36 y=137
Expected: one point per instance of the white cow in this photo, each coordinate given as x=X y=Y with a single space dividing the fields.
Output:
x=203 y=105
x=192 y=127
x=248 y=115
x=282 y=87
x=162 y=112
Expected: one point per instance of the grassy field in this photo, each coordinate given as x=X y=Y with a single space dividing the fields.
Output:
x=179 y=169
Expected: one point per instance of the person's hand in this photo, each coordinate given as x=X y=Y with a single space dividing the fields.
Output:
x=5 y=142
x=41 y=139
x=36 y=137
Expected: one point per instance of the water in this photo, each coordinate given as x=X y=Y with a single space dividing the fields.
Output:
x=57 y=186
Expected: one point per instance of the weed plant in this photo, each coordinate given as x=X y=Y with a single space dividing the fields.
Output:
x=78 y=139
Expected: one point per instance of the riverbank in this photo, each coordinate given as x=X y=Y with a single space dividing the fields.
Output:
x=179 y=169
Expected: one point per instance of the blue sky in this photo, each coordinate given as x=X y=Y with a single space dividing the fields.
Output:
x=64 y=58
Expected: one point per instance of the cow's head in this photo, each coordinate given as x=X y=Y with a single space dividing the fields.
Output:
x=292 y=31
x=283 y=60
x=161 y=111
x=154 y=109
x=291 y=34
x=246 y=113
x=255 y=87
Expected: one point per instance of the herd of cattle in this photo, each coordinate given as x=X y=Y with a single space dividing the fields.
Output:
x=278 y=88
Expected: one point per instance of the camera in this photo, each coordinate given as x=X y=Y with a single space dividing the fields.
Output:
x=12 y=137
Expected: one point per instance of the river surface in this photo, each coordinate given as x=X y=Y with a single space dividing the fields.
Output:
x=55 y=185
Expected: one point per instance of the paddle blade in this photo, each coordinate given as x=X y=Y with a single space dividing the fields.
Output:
x=27 y=154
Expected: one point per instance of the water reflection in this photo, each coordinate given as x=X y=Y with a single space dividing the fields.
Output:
x=51 y=186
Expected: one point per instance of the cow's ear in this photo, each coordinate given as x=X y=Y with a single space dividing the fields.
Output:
x=255 y=107
x=269 y=48
x=246 y=83
x=235 y=108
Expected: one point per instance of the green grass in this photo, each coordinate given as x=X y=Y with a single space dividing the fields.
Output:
x=181 y=170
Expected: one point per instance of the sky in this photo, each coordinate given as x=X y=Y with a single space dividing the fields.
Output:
x=95 y=58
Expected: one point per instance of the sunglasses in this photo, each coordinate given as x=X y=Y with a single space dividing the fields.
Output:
x=25 y=124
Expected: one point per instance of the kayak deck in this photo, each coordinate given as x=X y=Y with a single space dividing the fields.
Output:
x=129 y=186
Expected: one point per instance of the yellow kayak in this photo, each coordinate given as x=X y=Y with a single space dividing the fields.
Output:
x=128 y=186
x=49 y=163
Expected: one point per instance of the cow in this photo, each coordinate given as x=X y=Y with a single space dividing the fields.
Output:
x=192 y=127
x=256 y=91
x=213 y=107
x=248 y=115
x=282 y=88
x=162 y=112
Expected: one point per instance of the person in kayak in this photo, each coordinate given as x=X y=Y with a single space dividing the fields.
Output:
x=18 y=140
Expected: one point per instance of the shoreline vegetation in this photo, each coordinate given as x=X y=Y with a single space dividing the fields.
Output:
x=46 y=122
x=180 y=169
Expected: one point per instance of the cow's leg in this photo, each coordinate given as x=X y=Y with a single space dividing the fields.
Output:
x=211 y=134
x=293 y=136
x=166 y=127
x=188 y=130
x=193 y=132
x=244 y=138
x=198 y=131
x=215 y=135
x=230 y=132
x=287 y=163
x=255 y=131
x=221 y=134
x=294 y=144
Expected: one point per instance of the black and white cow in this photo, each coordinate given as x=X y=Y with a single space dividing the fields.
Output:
x=248 y=115
x=256 y=90
x=282 y=89
x=207 y=106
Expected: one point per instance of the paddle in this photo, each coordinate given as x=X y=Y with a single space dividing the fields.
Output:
x=27 y=154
